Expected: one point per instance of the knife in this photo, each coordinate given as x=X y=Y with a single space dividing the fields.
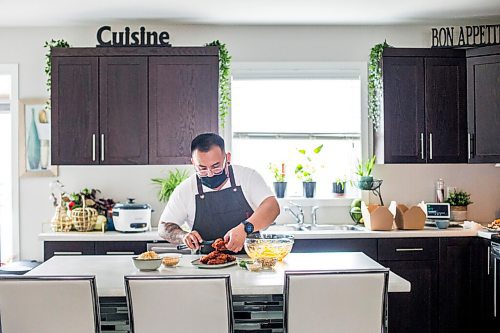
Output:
x=204 y=243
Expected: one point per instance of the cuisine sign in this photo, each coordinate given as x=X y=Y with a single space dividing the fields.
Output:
x=141 y=37
x=466 y=36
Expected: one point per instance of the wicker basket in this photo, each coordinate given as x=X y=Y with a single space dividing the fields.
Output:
x=61 y=221
x=84 y=218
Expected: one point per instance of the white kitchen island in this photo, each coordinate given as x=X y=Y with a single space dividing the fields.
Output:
x=110 y=270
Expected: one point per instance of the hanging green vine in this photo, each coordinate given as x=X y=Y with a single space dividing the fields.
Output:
x=48 y=63
x=375 y=87
x=224 y=81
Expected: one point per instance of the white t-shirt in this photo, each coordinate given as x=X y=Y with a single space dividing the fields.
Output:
x=181 y=207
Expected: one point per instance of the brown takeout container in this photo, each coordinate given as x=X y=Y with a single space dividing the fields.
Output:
x=412 y=218
x=378 y=218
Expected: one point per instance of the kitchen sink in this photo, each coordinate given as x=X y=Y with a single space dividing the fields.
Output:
x=286 y=227
x=308 y=227
x=335 y=227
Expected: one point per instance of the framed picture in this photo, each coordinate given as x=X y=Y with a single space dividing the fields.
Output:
x=34 y=139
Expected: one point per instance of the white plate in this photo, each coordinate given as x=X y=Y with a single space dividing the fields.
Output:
x=198 y=264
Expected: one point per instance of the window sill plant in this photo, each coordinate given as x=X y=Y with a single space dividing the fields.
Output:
x=279 y=179
x=305 y=172
x=364 y=171
x=339 y=186
x=458 y=200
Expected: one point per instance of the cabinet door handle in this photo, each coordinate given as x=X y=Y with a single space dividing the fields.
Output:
x=422 y=145
x=119 y=252
x=430 y=146
x=468 y=145
x=489 y=259
x=410 y=249
x=67 y=253
x=93 y=147
x=102 y=147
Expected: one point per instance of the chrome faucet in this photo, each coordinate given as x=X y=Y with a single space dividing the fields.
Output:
x=314 y=218
x=299 y=215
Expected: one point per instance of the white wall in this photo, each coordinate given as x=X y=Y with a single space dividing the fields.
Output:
x=407 y=184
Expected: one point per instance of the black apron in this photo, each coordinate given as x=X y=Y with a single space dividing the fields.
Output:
x=217 y=212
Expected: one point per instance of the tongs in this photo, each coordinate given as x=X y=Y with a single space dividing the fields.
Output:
x=204 y=243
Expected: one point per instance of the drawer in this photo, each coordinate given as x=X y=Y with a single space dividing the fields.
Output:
x=55 y=248
x=408 y=249
x=120 y=248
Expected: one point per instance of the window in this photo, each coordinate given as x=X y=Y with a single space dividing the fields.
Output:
x=275 y=114
x=9 y=238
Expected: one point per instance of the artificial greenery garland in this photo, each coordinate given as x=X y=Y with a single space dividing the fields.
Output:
x=224 y=81
x=48 y=63
x=375 y=83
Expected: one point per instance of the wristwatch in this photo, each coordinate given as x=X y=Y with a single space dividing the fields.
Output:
x=248 y=227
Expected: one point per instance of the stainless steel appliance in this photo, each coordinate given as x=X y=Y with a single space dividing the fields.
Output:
x=495 y=258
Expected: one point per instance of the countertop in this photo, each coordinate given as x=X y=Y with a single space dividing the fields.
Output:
x=319 y=234
x=110 y=270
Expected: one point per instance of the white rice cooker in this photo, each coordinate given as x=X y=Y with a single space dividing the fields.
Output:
x=132 y=217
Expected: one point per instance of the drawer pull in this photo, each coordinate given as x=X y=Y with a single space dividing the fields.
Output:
x=67 y=253
x=410 y=249
x=119 y=252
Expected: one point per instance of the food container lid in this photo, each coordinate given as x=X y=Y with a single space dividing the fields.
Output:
x=131 y=205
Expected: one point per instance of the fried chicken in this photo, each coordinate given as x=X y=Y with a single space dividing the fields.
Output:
x=217 y=257
x=219 y=245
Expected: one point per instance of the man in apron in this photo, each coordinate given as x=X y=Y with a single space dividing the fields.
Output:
x=219 y=201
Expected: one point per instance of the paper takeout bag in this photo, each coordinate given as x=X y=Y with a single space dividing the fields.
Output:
x=379 y=218
x=412 y=218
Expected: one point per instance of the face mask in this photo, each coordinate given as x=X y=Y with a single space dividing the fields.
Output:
x=214 y=181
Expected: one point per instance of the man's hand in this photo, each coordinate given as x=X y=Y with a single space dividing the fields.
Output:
x=235 y=238
x=192 y=240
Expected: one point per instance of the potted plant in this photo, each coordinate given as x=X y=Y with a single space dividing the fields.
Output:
x=169 y=183
x=339 y=186
x=305 y=172
x=458 y=200
x=364 y=171
x=279 y=179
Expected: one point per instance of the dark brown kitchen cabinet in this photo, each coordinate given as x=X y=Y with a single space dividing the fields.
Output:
x=367 y=246
x=457 y=284
x=131 y=106
x=424 y=116
x=483 y=104
x=74 y=248
x=123 y=101
x=182 y=97
x=483 y=268
x=416 y=260
x=75 y=110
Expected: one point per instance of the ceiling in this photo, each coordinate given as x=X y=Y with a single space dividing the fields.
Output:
x=247 y=12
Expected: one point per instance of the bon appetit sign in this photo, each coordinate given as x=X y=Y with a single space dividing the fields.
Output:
x=466 y=36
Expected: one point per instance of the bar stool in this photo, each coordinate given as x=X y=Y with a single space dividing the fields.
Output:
x=336 y=301
x=55 y=304
x=179 y=304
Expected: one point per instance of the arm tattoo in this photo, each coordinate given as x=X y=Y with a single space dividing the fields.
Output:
x=171 y=232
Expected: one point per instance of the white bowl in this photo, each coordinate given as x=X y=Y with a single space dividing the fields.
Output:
x=147 y=264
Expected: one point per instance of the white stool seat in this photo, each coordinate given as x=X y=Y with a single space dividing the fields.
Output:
x=336 y=301
x=179 y=304
x=55 y=304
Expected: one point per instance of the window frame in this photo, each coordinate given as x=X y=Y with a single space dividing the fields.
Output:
x=312 y=70
x=13 y=71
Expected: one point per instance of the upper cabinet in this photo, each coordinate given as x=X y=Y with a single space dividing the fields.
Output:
x=131 y=106
x=483 y=104
x=424 y=107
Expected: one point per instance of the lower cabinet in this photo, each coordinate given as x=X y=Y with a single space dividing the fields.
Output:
x=52 y=248
x=55 y=248
x=416 y=260
x=367 y=246
x=457 y=284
